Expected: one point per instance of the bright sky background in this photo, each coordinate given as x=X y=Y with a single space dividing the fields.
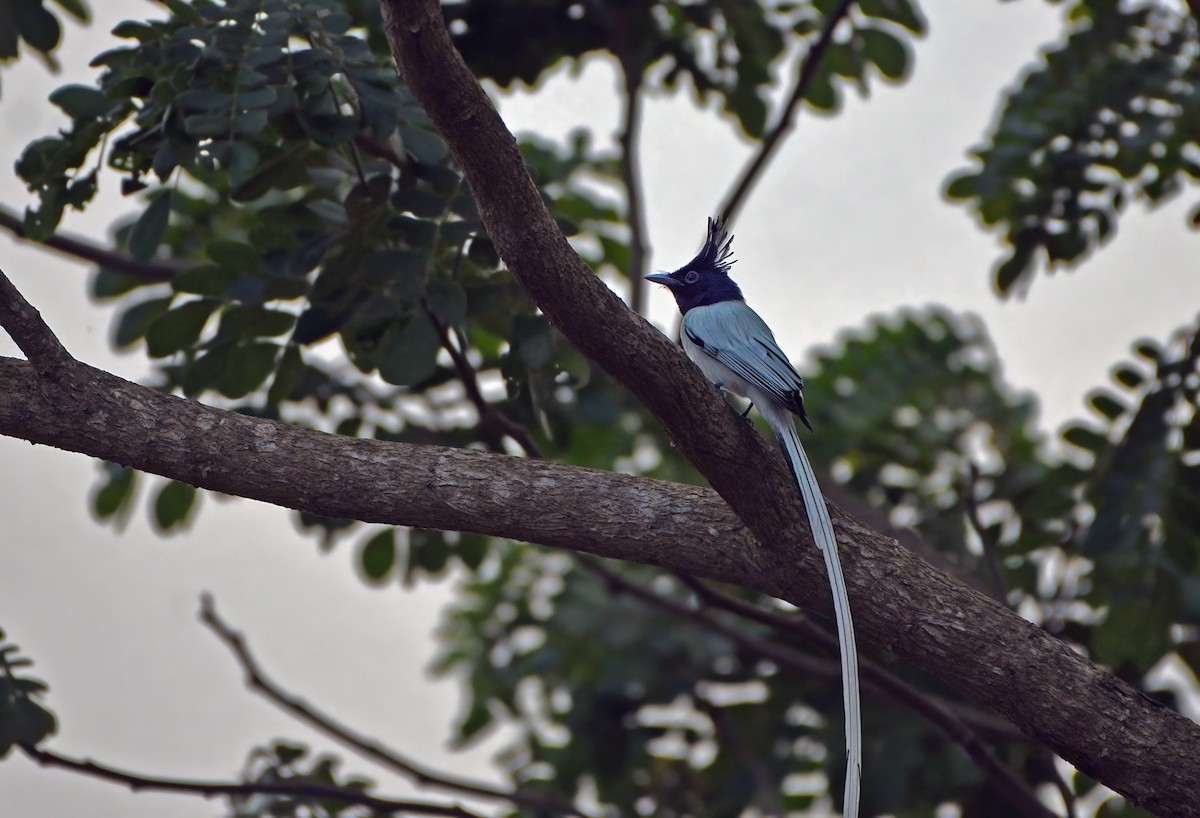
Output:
x=848 y=223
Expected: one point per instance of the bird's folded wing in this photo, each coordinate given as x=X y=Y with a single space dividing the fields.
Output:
x=741 y=340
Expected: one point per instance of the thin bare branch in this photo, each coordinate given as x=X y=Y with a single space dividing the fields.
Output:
x=921 y=615
x=631 y=178
x=987 y=539
x=753 y=169
x=257 y=681
x=25 y=326
x=300 y=790
x=874 y=677
x=768 y=797
x=492 y=421
x=380 y=151
x=86 y=250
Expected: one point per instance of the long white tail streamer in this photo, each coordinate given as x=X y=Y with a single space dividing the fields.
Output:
x=822 y=529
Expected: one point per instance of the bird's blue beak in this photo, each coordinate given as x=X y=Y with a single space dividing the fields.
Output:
x=662 y=278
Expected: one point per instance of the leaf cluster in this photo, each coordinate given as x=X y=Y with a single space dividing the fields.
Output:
x=722 y=49
x=24 y=721
x=32 y=23
x=331 y=269
x=1106 y=117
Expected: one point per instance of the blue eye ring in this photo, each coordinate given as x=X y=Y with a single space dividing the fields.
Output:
x=692 y=277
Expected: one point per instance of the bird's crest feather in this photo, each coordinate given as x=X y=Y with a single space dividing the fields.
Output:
x=717 y=252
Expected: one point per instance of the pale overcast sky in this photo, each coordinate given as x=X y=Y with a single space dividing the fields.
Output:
x=848 y=223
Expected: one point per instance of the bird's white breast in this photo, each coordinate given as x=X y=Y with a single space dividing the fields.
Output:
x=713 y=369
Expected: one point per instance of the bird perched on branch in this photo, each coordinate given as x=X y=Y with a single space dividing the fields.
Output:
x=736 y=350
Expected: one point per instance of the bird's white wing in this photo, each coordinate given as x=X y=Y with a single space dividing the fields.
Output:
x=733 y=334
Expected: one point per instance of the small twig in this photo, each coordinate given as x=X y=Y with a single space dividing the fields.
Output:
x=25 y=326
x=991 y=557
x=379 y=151
x=489 y=416
x=88 y=251
x=1064 y=789
x=631 y=178
x=297 y=708
x=211 y=789
x=808 y=70
x=873 y=676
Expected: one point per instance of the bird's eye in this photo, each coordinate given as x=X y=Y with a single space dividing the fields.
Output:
x=692 y=277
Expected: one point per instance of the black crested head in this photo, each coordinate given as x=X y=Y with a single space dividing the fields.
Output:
x=705 y=279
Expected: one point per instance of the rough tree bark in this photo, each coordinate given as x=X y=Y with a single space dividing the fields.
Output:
x=1103 y=726
x=1092 y=719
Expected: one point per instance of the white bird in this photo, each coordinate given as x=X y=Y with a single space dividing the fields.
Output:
x=736 y=350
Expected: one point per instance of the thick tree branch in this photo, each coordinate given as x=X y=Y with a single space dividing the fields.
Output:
x=299 y=790
x=85 y=250
x=683 y=528
x=29 y=332
x=257 y=681
x=1056 y=696
x=753 y=170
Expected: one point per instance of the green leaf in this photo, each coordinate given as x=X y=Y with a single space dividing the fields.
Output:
x=248 y=99
x=248 y=123
x=134 y=30
x=108 y=283
x=1128 y=377
x=962 y=186
x=288 y=375
x=399 y=273
x=428 y=551
x=448 y=300
x=132 y=324
x=471 y=550
x=233 y=255
x=531 y=339
x=750 y=109
x=483 y=253
x=204 y=100
x=901 y=12
x=425 y=146
x=173 y=505
x=115 y=495
x=38 y=26
x=888 y=53
x=1012 y=270
x=419 y=202
x=378 y=555
x=82 y=101
x=1087 y=439
x=148 y=231
x=246 y=322
x=249 y=365
x=206 y=125
x=1106 y=405
x=205 y=279
x=76 y=8
x=409 y=352
x=10 y=48
x=178 y=328
x=207 y=369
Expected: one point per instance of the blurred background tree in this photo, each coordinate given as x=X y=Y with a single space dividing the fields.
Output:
x=307 y=250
